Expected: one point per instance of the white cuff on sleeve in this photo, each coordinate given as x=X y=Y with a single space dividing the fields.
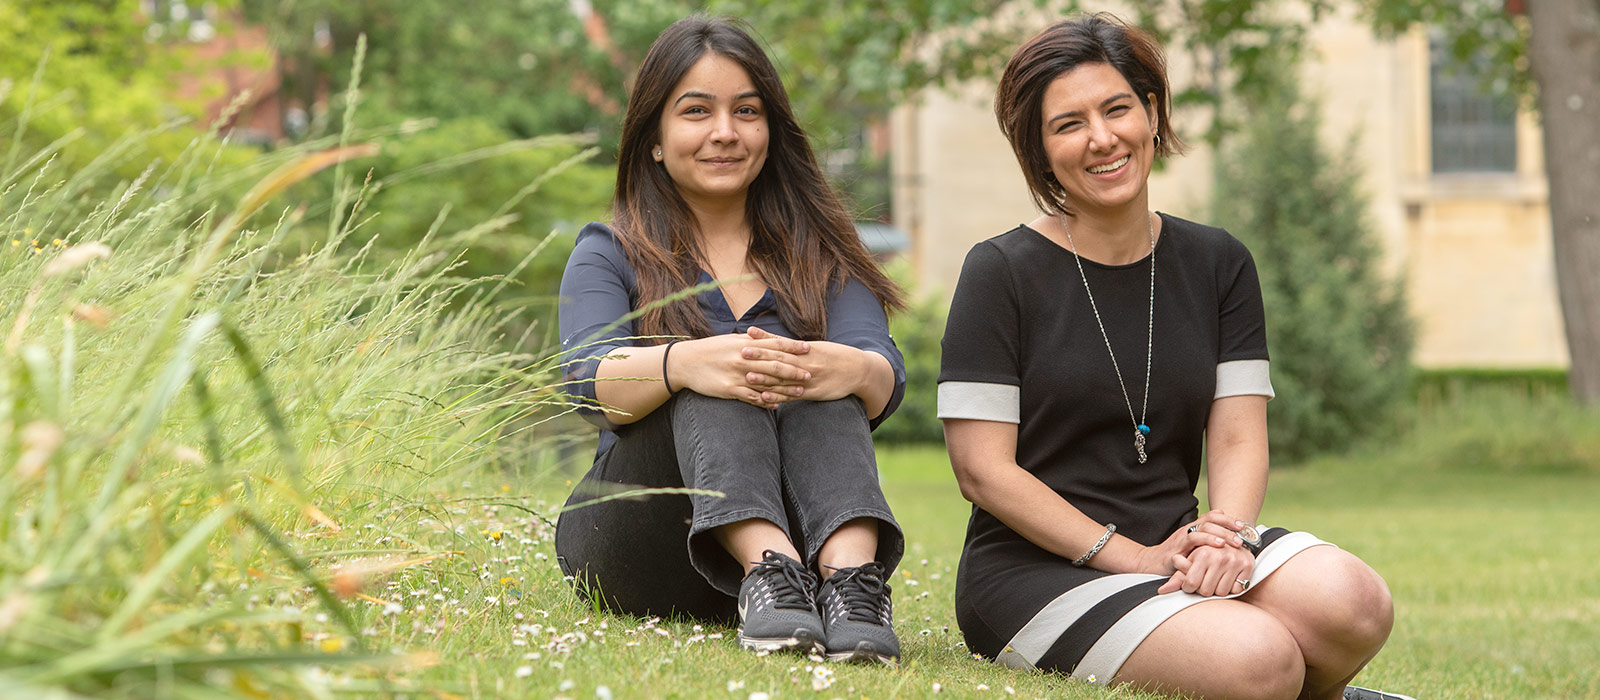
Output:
x=1244 y=378
x=980 y=401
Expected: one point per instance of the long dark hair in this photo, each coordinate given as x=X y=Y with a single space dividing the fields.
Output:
x=1096 y=38
x=803 y=242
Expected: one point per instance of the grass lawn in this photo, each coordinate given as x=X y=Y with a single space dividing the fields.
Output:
x=1493 y=601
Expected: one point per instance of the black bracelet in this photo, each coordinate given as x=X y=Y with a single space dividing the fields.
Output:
x=664 y=355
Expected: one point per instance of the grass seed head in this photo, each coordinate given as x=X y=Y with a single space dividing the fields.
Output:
x=75 y=257
x=97 y=316
x=40 y=439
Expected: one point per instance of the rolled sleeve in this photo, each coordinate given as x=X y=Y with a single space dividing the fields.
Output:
x=856 y=318
x=594 y=295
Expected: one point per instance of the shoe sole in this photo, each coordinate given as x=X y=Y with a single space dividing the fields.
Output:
x=862 y=655
x=802 y=640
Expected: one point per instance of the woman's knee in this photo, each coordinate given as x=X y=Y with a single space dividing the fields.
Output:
x=1343 y=601
x=688 y=399
x=1219 y=649
x=1367 y=607
x=847 y=408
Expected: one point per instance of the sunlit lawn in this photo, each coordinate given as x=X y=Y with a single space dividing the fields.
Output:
x=1491 y=574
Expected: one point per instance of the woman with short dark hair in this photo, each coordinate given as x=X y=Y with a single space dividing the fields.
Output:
x=1091 y=359
x=760 y=393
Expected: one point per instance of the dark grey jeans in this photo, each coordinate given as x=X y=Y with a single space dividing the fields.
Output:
x=807 y=467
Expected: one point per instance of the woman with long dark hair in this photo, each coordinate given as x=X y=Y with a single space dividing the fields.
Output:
x=760 y=392
x=1092 y=359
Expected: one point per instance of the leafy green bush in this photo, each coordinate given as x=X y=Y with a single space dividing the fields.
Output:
x=1337 y=330
x=917 y=332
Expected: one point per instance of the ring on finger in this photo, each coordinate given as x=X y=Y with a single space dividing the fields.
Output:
x=1245 y=583
x=1194 y=528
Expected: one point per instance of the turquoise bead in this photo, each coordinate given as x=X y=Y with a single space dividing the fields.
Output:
x=1145 y=429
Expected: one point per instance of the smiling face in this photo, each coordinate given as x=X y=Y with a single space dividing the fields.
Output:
x=1099 y=138
x=713 y=132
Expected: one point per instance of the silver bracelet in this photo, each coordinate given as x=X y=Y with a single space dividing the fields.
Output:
x=1080 y=561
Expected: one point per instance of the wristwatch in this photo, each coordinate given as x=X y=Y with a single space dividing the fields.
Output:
x=1250 y=535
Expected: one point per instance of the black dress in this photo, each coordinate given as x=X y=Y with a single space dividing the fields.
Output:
x=1022 y=345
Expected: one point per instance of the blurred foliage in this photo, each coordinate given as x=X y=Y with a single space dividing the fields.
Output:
x=1241 y=43
x=533 y=66
x=83 y=74
x=1481 y=35
x=1432 y=384
x=917 y=332
x=1513 y=423
x=1337 y=330
x=463 y=183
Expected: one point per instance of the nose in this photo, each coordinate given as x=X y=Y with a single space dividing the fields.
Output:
x=722 y=130
x=1101 y=137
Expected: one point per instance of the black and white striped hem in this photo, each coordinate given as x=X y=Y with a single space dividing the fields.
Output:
x=1091 y=630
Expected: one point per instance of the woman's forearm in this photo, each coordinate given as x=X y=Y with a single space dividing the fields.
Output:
x=629 y=383
x=877 y=383
x=982 y=456
x=1041 y=515
x=1236 y=456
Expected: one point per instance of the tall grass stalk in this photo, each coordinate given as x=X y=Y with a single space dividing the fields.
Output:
x=199 y=434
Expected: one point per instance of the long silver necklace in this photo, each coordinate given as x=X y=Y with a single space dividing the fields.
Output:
x=1140 y=430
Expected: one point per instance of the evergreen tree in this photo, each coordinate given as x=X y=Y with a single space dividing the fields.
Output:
x=1337 y=330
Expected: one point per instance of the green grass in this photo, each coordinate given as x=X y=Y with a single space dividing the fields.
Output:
x=1487 y=570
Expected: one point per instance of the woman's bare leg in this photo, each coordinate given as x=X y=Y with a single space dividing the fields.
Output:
x=853 y=544
x=1337 y=609
x=746 y=540
x=1218 y=649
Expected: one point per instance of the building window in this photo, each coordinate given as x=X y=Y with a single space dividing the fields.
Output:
x=1474 y=127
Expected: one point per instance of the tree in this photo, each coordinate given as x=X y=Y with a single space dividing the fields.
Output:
x=1564 y=48
x=1339 y=335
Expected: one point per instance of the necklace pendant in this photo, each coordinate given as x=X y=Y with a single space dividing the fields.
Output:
x=1138 y=444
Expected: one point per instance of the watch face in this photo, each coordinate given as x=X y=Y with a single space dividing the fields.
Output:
x=1250 y=535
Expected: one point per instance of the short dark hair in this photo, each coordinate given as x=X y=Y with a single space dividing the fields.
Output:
x=1096 y=38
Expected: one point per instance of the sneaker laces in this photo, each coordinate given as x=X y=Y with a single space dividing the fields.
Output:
x=863 y=591
x=792 y=586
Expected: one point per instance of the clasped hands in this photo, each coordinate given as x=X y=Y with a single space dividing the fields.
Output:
x=1211 y=560
x=765 y=370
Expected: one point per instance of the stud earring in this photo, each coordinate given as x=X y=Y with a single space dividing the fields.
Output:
x=658 y=152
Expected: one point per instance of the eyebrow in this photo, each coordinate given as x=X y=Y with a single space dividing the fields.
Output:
x=1103 y=103
x=707 y=96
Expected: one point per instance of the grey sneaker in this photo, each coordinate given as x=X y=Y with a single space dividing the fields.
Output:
x=776 y=608
x=858 y=616
x=1354 y=693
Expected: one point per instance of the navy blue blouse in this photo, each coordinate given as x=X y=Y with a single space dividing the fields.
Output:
x=599 y=287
